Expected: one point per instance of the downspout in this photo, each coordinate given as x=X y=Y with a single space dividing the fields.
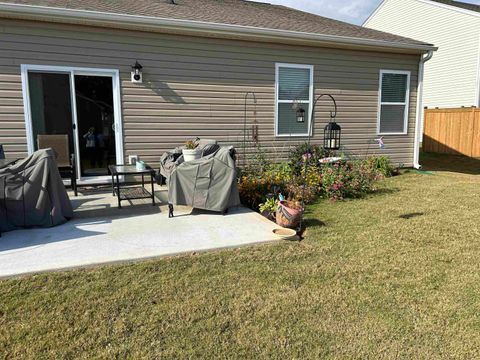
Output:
x=419 y=113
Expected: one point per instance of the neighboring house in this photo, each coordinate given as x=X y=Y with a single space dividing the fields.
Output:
x=452 y=77
x=65 y=68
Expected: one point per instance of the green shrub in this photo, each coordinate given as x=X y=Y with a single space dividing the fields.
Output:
x=298 y=155
x=346 y=180
x=254 y=190
x=336 y=182
x=381 y=164
x=281 y=173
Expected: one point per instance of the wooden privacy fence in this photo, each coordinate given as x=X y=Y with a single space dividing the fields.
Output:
x=452 y=131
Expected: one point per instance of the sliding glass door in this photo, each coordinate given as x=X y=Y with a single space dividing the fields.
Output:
x=82 y=104
x=95 y=124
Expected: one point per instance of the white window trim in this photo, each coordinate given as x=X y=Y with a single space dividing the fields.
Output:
x=406 y=104
x=277 y=101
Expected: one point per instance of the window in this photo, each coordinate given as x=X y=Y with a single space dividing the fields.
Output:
x=393 y=102
x=294 y=84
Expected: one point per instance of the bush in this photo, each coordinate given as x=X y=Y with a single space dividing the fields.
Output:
x=381 y=164
x=254 y=191
x=339 y=181
x=345 y=180
x=281 y=173
x=297 y=156
x=295 y=189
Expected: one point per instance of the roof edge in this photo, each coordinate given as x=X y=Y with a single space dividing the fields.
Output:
x=452 y=7
x=377 y=9
x=149 y=22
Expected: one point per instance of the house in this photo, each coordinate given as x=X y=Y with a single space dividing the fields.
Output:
x=452 y=76
x=66 y=68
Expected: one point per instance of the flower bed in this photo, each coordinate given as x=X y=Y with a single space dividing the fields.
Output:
x=260 y=185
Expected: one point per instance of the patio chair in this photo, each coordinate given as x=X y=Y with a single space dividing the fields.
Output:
x=65 y=160
x=2 y=153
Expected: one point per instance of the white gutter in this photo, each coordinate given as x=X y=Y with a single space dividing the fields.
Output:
x=103 y=18
x=420 y=112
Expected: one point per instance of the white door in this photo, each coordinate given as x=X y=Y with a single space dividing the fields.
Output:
x=82 y=103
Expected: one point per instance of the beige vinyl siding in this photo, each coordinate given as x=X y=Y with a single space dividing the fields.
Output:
x=196 y=86
x=451 y=76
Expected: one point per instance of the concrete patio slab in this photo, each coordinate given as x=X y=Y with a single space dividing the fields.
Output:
x=101 y=233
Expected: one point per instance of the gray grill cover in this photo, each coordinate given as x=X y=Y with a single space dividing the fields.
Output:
x=209 y=183
x=32 y=193
x=171 y=159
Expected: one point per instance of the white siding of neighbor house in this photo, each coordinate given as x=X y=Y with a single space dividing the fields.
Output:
x=452 y=75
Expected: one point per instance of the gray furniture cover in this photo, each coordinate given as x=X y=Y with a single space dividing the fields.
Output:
x=209 y=183
x=32 y=193
x=171 y=159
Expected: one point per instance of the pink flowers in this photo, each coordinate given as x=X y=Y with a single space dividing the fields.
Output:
x=337 y=186
x=306 y=156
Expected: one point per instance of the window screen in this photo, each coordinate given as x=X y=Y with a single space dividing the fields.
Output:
x=393 y=112
x=294 y=85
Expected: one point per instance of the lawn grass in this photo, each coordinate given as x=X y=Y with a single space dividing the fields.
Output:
x=393 y=275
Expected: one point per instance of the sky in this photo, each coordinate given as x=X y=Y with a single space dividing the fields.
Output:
x=352 y=11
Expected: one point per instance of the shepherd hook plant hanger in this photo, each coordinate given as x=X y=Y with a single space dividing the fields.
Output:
x=333 y=115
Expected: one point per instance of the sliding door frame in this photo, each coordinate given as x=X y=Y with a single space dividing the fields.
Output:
x=72 y=71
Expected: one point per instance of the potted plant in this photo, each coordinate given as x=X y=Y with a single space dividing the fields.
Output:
x=289 y=213
x=191 y=152
x=268 y=208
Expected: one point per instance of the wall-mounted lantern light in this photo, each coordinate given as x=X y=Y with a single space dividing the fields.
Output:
x=137 y=76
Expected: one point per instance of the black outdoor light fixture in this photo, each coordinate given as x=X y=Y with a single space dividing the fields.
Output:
x=300 y=115
x=331 y=135
x=137 y=72
x=332 y=132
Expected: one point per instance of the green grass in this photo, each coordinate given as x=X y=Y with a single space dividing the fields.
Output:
x=393 y=275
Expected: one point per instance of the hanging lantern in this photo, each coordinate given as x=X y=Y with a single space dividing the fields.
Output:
x=331 y=136
x=300 y=115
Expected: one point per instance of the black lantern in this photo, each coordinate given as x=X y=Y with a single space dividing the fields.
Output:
x=137 y=71
x=331 y=136
x=300 y=115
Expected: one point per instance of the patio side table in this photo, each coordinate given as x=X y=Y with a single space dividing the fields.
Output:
x=124 y=191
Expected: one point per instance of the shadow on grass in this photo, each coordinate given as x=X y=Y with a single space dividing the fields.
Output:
x=452 y=163
x=310 y=222
x=411 y=215
x=384 y=191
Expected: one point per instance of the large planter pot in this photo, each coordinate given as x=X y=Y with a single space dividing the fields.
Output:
x=191 y=154
x=289 y=214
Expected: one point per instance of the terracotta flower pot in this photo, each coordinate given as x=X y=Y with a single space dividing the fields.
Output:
x=289 y=214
